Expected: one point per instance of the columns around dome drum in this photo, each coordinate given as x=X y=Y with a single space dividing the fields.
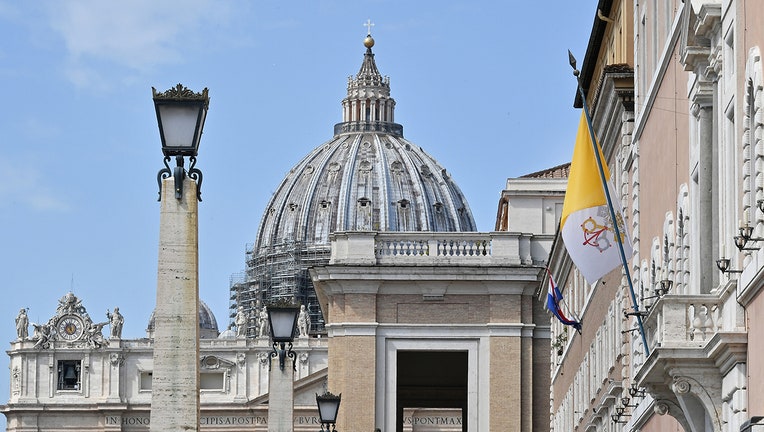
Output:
x=368 y=110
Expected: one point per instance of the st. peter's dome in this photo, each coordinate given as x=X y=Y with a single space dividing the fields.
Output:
x=368 y=177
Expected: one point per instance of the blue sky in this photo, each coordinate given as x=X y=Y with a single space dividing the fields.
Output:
x=484 y=87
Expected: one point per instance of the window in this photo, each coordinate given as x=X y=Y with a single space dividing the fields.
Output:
x=212 y=381
x=146 y=381
x=207 y=381
x=69 y=374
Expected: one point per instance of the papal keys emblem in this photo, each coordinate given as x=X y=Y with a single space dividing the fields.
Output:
x=595 y=233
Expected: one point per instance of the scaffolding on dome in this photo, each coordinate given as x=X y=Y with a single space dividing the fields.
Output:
x=275 y=273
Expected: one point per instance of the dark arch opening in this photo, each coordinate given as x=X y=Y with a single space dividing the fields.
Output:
x=432 y=380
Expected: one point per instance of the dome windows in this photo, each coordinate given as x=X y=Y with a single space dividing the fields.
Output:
x=363 y=202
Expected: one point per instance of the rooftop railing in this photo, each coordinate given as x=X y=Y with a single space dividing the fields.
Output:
x=433 y=248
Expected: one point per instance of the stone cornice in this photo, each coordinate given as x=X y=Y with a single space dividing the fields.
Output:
x=727 y=349
x=352 y=329
x=389 y=279
x=751 y=281
x=709 y=17
x=453 y=331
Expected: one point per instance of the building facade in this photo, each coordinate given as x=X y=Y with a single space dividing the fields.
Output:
x=445 y=321
x=687 y=158
x=429 y=325
x=68 y=376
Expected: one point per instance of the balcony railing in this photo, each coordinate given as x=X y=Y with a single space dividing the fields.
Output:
x=444 y=247
x=683 y=321
x=439 y=248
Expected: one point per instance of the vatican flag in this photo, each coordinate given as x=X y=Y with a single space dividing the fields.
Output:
x=586 y=224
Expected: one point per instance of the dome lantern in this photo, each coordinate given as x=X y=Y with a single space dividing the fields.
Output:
x=368 y=105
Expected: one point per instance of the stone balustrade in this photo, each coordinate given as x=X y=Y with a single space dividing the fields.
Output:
x=432 y=248
x=683 y=321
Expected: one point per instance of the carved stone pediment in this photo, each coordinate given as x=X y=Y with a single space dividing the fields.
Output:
x=698 y=21
x=212 y=362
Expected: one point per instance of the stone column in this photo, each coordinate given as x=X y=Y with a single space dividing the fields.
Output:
x=707 y=176
x=281 y=397
x=175 y=380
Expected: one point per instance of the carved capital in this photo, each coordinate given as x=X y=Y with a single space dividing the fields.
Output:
x=116 y=359
x=264 y=358
x=661 y=408
x=702 y=93
x=681 y=386
x=695 y=109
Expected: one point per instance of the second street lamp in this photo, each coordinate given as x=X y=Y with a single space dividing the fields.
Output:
x=328 y=407
x=282 y=321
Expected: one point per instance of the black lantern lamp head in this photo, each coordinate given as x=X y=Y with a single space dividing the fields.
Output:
x=282 y=321
x=180 y=114
x=723 y=264
x=328 y=407
x=635 y=391
x=746 y=235
x=665 y=287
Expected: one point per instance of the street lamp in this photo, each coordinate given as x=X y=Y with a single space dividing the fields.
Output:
x=328 y=407
x=282 y=321
x=180 y=114
x=175 y=379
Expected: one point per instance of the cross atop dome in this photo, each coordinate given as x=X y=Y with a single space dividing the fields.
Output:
x=368 y=24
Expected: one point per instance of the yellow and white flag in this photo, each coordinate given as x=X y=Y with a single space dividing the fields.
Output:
x=587 y=227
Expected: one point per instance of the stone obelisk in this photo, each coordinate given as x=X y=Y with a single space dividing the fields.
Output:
x=175 y=380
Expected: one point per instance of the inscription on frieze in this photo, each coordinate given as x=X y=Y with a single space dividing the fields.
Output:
x=432 y=420
x=233 y=421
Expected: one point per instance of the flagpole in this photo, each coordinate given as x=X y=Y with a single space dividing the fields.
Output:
x=619 y=240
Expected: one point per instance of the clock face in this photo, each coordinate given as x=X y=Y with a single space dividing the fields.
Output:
x=70 y=328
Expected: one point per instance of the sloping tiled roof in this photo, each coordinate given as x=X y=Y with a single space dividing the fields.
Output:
x=560 y=171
